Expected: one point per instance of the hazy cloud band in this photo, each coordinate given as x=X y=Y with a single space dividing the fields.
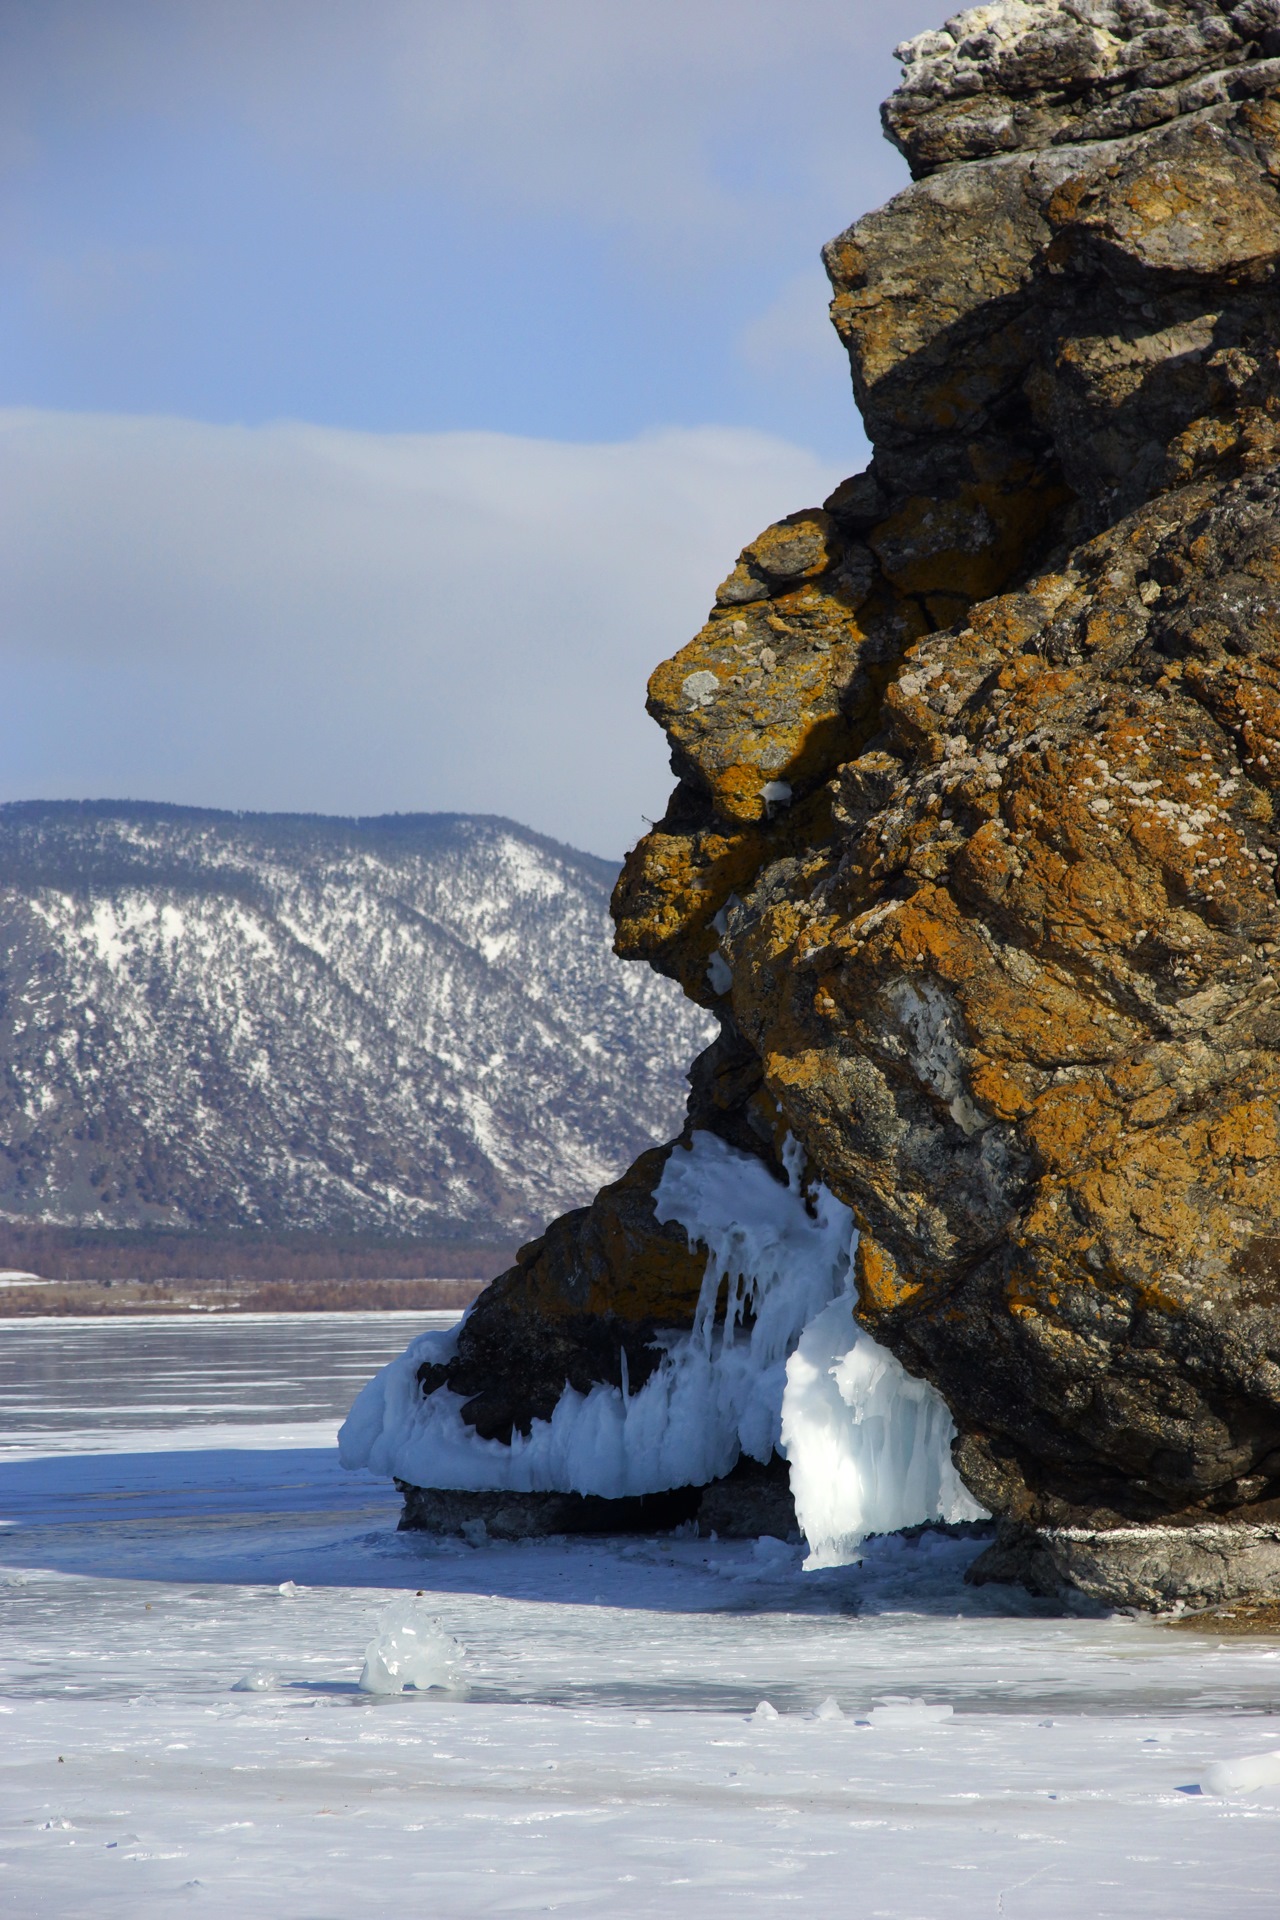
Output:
x=304 y=618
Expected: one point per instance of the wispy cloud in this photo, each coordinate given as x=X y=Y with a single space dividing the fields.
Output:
x=298 y=617
x=545 y=216
x=661 y=115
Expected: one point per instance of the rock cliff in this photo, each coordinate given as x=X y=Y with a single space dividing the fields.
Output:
x=973 y=849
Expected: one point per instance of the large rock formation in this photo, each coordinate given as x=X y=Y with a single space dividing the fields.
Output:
x=972 y=849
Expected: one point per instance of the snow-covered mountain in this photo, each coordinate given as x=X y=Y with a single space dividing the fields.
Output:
x=411 y=1025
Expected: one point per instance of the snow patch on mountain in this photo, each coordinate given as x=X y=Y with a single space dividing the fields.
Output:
x=406 y=1025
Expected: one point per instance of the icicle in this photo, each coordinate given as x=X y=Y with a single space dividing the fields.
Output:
x=787 y=1367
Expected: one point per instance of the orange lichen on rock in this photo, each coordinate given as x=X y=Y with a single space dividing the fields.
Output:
x=973 y=847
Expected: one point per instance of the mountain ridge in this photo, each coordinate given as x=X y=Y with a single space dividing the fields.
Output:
x=397 y=1026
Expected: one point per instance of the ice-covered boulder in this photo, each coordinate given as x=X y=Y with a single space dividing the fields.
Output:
x=973 y=849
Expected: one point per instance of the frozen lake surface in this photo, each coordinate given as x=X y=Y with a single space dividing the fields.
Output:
x=172 y=1517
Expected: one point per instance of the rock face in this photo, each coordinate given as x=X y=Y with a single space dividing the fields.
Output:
x=973 y=850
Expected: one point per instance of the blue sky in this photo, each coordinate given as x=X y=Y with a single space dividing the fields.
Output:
x=542 y=225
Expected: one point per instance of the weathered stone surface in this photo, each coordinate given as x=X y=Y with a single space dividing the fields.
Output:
x=1036 y=73
x=973 y=848
x=1021 y=1010
x=524 y=1516
x=1150 y=1566
x=750 y=1501
x=580 y=1303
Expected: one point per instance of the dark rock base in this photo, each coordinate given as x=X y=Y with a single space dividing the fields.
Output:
x=525 y=1516
x=1152 y=1567
x=750 y=1501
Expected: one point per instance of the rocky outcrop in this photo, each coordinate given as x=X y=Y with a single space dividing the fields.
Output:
x=1043 y=73
x=973 y=848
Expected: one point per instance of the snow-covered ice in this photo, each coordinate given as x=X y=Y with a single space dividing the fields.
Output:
x=173 y=1521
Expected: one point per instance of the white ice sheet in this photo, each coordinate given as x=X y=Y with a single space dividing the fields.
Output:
x=606 y=1757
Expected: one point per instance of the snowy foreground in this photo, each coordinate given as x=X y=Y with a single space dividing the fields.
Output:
x=173 y=1522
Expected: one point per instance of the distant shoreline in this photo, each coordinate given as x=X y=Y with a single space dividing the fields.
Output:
x=37 y=1298
x=65 y=1271
x=242 y=1258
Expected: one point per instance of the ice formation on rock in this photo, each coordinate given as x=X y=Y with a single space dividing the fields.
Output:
x=1005 y=963
x=869 y=1446
x=774 y=1358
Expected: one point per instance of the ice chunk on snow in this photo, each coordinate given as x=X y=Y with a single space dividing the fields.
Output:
x=1245 y=1774
x=765 y=1712
x=829 y=1709
x=869 y=1446
x=410 y=1649
x=257 y=1680
x=774 y=1359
